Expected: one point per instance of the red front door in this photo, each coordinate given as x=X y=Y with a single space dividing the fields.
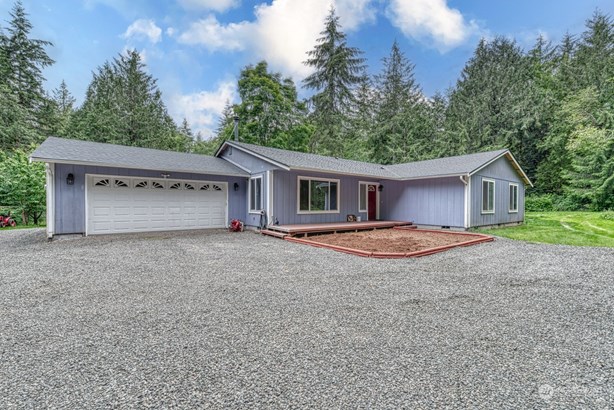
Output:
x=372 y=202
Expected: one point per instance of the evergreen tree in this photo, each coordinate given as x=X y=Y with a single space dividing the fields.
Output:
x=398 y=96
x=490 y=99
x=123 y=105
x=338 y=69
x=361 y=122
x=26 y=60
x=269 y=110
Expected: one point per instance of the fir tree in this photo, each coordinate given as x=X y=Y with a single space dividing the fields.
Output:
x=338 y=69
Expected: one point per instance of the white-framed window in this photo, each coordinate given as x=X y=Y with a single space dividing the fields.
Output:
x=488 y=196
x=317 y=195
x=255 y=194
x=513 y=197
x=363 y=196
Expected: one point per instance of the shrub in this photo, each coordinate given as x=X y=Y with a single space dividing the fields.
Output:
x=539 y=203
x=607 y=215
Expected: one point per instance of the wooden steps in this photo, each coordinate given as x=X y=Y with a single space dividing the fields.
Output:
x=275 y=234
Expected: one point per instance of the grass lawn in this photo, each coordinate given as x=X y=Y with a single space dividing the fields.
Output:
x=565 y=228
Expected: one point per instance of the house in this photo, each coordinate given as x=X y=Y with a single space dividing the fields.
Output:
x=95 y=188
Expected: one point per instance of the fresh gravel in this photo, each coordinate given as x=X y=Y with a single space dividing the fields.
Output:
x=212 y=319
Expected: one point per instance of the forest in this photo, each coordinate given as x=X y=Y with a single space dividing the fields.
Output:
x=551 y=105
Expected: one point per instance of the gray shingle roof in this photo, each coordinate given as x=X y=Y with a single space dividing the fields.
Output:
x=94 y=153
x=301 y=160
x=459 y=165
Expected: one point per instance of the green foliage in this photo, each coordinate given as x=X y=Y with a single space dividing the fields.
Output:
x=22 y=185
x=123 y=105
x=270 y=112
x=339 y=68
x=539 y=203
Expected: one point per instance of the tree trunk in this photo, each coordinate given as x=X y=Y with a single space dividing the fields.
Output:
x=24 y=217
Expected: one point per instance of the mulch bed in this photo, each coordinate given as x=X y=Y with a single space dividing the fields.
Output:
x=391 y=240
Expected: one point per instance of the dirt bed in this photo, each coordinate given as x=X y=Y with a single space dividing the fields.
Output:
x=390 y=240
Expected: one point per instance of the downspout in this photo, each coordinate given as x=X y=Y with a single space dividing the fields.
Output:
x=466 y=180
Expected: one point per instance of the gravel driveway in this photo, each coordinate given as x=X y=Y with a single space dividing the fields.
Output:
x=238 y=320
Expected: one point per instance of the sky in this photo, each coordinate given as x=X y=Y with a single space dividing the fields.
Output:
x=197 y=48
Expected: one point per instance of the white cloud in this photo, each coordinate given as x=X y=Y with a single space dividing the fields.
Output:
x=215 y=5
x=203 y=109
x=281 y=33
x=144 y=29
x=215 y=36
x=432 y=20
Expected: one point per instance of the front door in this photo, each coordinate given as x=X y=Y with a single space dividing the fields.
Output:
x=372 y=202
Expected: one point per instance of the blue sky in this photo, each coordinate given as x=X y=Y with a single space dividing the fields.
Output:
x=196 y=48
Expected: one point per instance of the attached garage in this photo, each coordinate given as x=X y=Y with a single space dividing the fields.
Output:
x=95 y=188
x=122 y=204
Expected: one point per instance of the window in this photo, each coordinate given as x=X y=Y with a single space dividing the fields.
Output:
x=255 y=194
x=318 y=195
x=488 y=196
x=176 y=185
x=141 y=184
x=362 y=197
x=513 y=197
x=120 y=184
x=188 y=186
x=156 y=185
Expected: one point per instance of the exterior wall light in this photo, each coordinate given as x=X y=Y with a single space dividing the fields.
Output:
x=70 y=179
x=236 y=186
x=165 y=175
x=380 y=188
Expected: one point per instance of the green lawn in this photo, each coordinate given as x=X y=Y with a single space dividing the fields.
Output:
x=565 y=228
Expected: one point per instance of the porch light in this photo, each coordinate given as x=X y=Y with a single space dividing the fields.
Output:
x=70 y=179
x=236 y=186
x=380 y=188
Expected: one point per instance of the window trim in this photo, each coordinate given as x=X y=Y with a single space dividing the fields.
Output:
x=249 y=195
x=366 y=209
x=510 y=210
x=494 y=196
x=298 y=195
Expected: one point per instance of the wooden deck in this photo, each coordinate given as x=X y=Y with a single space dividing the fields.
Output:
x=306 y=229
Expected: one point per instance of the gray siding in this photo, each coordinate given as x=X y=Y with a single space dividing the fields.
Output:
x=435 y=201
x=503 y=173
x=251 y=163
x=70 y=199
x=285 y=198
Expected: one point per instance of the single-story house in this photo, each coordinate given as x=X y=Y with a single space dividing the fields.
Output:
x=95 y=188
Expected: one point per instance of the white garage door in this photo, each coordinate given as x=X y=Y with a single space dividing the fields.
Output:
x=122 y=204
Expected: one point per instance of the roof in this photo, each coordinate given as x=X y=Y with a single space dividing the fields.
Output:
x=62 y=150
x=314 y=162
x=458 y=165
x=448 y=166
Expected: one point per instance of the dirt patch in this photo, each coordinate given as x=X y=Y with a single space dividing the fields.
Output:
x=391 y=240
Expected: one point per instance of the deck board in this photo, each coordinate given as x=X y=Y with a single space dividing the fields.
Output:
x=335 y=227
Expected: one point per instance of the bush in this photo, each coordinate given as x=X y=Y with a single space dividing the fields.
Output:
x=539 y=203
x=607 y=215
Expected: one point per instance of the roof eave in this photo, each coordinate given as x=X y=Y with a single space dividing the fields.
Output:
x=255 y=154
x=515 y=165
x=101 y=164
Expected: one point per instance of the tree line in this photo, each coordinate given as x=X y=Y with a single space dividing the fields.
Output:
x=552 y=106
